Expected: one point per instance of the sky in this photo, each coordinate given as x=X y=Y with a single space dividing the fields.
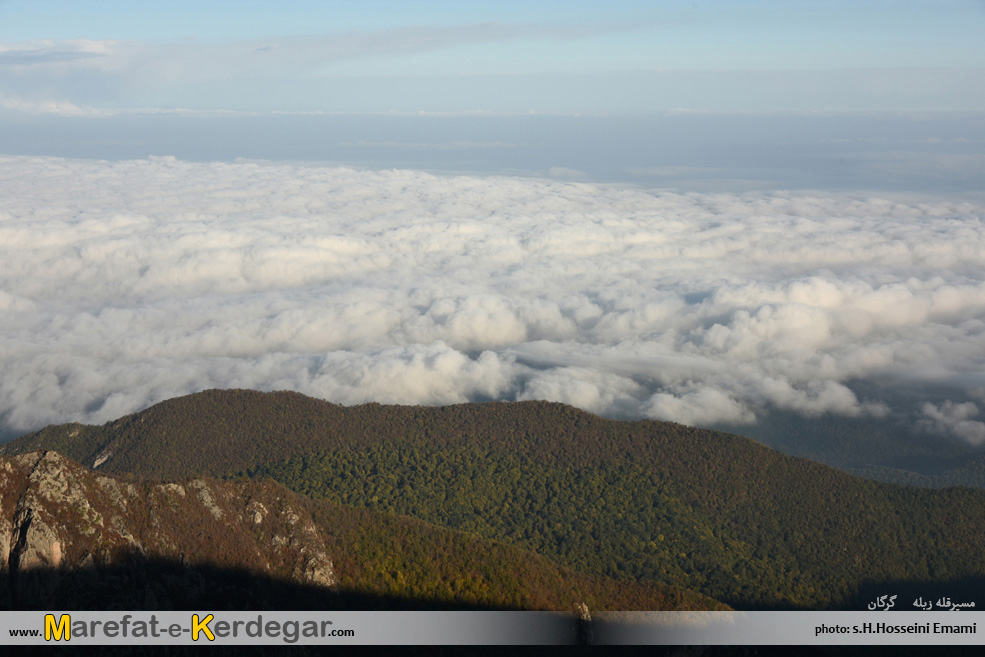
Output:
x=702 y=212
x=720 y=96
x=69 y=58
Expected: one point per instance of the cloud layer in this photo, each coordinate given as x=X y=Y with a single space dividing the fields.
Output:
x=125 y=283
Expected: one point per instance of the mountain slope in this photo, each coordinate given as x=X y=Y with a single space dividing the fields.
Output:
x=57 y=517
x=400 y=557
x=67 y=533
x=641 y=501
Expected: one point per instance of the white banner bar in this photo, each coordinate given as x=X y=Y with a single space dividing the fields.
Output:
x=790 y=628
x=286 y=628
x=491 y=628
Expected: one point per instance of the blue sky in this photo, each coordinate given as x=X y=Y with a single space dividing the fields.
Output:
x=882 y=95
x=59 y=56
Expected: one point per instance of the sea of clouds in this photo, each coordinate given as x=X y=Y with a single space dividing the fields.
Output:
x=126 y=283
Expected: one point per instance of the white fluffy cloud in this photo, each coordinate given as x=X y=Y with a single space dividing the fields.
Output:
x=125 y=283
x=956 y=418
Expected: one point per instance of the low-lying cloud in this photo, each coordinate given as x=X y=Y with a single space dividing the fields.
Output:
x=957 y=419
x=126 y=283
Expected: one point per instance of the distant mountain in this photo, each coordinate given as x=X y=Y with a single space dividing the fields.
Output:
x=643 y=502
x=889 y=449
x=965 y=470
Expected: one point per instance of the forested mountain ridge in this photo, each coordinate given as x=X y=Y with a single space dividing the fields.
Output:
x=218 y=431
x=72 y=536
x=416 y=563
x=645 y=501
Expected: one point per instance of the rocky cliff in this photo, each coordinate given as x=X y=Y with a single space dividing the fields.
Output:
x=69 y=535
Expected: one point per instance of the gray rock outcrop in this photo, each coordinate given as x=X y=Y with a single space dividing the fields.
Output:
x=57 y=519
